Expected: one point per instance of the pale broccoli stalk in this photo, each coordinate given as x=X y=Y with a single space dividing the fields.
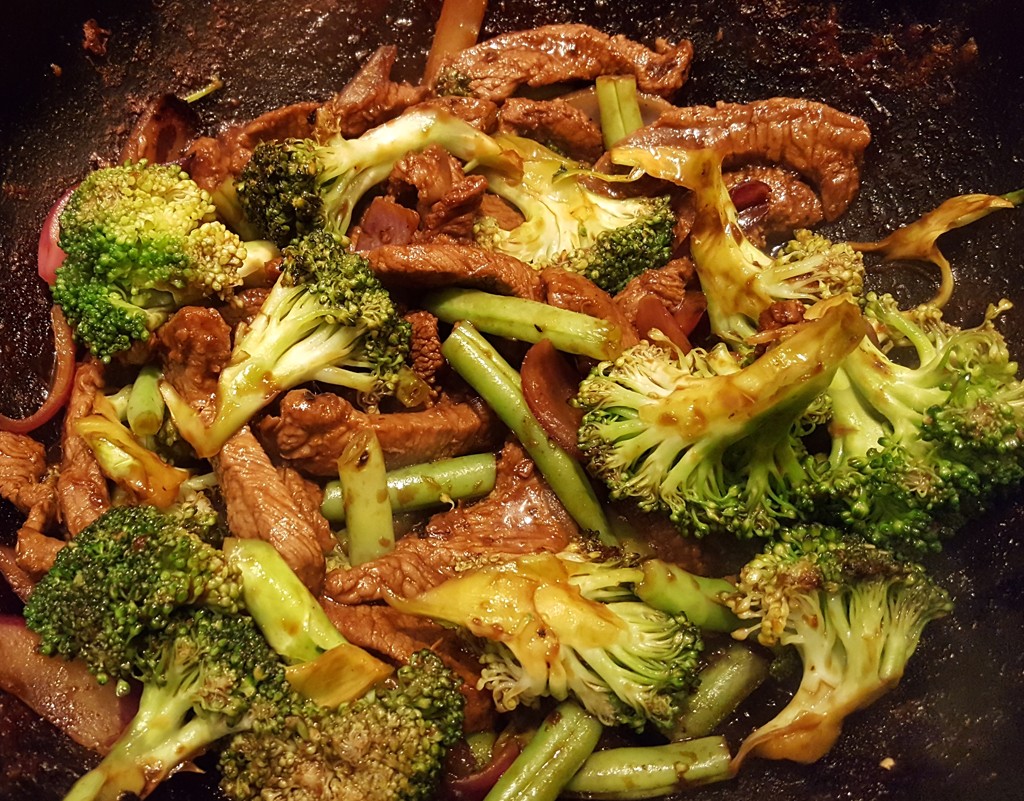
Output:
x=368 y=513
x=619 y=107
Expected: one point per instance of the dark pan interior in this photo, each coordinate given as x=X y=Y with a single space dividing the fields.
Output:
x=945 y=119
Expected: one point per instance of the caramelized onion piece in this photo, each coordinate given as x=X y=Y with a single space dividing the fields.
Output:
x=60 y=388
x=50 y=255
x=652 y=314
x=475 y=786
x=691 y=309
x=549 y=383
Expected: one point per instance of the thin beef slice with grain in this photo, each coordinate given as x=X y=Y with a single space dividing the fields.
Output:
x=447 y=200
x=521 y=515
x=555 y=123
x=27 y=482
x=261 y=506
x=82 y=493
x=549 y=54
x=310 y=431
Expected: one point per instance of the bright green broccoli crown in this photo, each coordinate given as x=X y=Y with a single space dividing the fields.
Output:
x=119 y=581
x=853 y=612
x=141 y=240
x=389 y=745
x=714 y=444
x=917 y=446
x=205 y=676
x=291 y=188
x=327 y=318
x=278 y=189
x=609 y=240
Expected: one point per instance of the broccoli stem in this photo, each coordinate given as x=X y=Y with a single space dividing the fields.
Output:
x=364 y=490
x=619 y=107
x=421 y=486
x=561 y=745
x=669 y=588
x=651 y=771
x=145 y=409
x=733 y=674
x=291 y=619
x=483 y=368
x=527 y=321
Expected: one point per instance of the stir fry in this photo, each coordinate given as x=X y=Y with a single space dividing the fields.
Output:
x=436 y=440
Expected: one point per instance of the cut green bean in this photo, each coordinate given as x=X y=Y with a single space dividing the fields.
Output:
x=619 y=105
x=552 y=757
x=621 y=774
x=476 y=360
x=671 y=589
x=368 y=515
x=732 y=675
x=528 y=321
x=145 y=410
x=421 y=486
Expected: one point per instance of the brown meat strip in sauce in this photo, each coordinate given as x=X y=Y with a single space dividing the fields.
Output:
x=572 y=291
x=549 y=54
x=311 y=431
x=26 y=482
x=555 y=123
x=521 y=515
x=791 y=204
x=398 y=636
x=82 y=493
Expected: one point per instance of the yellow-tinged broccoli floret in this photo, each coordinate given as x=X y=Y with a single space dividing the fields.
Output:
x=608 y=240
x=141 y=241
x=327 y=318
x=714 y=444
x=854 y=614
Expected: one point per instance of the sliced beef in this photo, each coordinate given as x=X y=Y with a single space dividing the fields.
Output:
x=780 y=314
x=495 y=69
x=556 y=123
x=82 y=493
x=385 y=222
x=196 y=345
x=311 y=431
x=26 y=482
x=791 y=203
x=435 y=265
x=212 y=159
x=398 y=636
x=243 y=307
x=425 y=349
x=368 y=100
x=667 y=283
x=572 y=291
x=817 y=141
x=163 y=132
x=521 y=515
x=481 y=114
x=504 y=214
x=260 y=506
x=308 y=497
x=447 y=200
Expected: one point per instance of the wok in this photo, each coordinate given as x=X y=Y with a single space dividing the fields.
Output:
x=944 y=123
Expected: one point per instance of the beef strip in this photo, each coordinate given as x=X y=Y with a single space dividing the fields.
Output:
x=556 y=123
x=792 y=203
x=368 y=100
x=196 y=344
x=308 y=496
x=260 y=506
x=311 y=431
x=481 y=114
x=667 y=283
x=163 y=132
x=398 y=636
x=817 y=141
x=243 y=306
x=384 y=222
x=447 y=200
x=505 y=214
x=26 y=482
x=780 y=314
x=549 y=54
x=210 y=160
x=430 y=265
x=572 y=291
x=82 y=493
x=521 y=515
x=425 y=350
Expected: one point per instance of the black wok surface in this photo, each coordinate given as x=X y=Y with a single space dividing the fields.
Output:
x=947 y=118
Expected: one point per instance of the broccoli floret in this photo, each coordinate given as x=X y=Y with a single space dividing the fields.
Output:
x=917 y=447
x=855 y=615
x=141 y=241
x=290 y=188
x=738 y=279
x=714 y=444
x=608 y=240
x=570 y=624
x=389 y=745
x=119 y=581
x=327 y=318
x=204 y=676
